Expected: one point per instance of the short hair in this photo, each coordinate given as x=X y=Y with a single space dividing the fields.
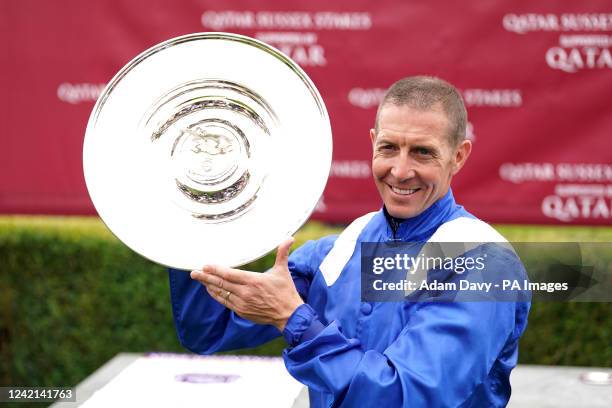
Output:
x=427 y=93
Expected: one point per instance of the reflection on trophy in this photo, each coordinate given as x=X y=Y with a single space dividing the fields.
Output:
x=207 y=148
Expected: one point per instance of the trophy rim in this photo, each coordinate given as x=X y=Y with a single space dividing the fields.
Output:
x=213 y=35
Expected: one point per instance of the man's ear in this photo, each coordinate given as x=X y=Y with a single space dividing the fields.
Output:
x=461 y=154
x=373 y=137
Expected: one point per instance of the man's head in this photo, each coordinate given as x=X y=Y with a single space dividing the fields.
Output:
x=418 y=144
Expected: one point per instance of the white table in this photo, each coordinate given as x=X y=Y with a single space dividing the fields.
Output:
x=532 y=386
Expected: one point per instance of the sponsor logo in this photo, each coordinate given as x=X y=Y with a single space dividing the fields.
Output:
x=530 y=22
x=567 y=209
x=283 y=20
x=579 y=194
x=354 y=169
x=562 y=172
x=574 y=52
x=498 y=98
x=206 y=378
x=574 y=59
x=78 y=93
x=368 y=98
x=302 y=47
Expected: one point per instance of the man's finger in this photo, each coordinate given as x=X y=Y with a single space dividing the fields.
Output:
x=229 y=274
x=225 y=297
x=205 y=278
x=282 y=254
x=217 y=291
x=236 y=290
x=218 y=282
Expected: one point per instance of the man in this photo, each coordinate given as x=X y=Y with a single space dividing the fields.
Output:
x=359 y=354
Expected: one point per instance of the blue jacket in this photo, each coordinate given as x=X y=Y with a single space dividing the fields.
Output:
x=357 y=354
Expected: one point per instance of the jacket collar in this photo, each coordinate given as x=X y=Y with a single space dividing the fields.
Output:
x=422 y=226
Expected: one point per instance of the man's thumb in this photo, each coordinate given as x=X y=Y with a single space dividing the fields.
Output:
x=282 y=254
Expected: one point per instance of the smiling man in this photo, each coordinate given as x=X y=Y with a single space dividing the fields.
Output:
x=352 y=353
x=417 y=148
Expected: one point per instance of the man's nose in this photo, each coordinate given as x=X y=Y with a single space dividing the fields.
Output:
x=403 y=168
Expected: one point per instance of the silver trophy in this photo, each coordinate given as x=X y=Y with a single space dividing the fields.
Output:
x=207 y=148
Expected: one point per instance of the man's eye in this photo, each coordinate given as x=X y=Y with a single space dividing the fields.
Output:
x=386 y=147
x=423 y=151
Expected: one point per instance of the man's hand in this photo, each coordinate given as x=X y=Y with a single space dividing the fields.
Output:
x=266 y=298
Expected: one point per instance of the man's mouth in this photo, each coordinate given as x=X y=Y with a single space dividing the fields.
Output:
x=404 y=191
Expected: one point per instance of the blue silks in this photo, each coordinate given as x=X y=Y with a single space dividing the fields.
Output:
x=359 y=354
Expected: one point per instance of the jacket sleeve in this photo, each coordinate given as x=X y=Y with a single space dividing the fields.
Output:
x=442 y=354
x=205 y=326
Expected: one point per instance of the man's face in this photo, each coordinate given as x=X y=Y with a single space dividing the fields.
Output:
x=413 y=161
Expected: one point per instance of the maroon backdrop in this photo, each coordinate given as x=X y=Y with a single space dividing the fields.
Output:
x=536 y=76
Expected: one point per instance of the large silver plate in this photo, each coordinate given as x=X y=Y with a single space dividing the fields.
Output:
x=207 y=148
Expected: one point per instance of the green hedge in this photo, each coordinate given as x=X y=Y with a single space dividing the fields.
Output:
x=72 y=296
